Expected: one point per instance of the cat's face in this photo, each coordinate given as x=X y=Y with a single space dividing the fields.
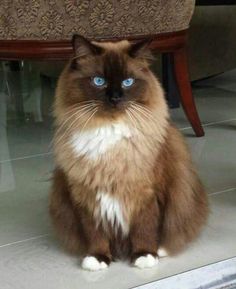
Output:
x=112 y=74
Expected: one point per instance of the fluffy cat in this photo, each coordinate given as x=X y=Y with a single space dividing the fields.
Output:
x=124 y=184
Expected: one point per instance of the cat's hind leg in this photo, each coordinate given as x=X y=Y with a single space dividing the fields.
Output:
x=185 y=213
x=63 y=215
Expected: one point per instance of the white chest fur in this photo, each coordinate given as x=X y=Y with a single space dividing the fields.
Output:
x=95 y=142
x=110 y=210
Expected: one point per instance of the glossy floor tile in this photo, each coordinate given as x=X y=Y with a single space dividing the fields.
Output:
x=30 y=257
x=24 y=189
x=225 y=81
x=215 y=156
x=215 y=100
x=218 y=275
x=41 y=263
x=27 y=139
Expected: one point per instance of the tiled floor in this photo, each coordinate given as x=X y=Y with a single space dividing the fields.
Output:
x=30 y=256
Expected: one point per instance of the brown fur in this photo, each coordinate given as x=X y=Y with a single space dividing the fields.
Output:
x=151 y=174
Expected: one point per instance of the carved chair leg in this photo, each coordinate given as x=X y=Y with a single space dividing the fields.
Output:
x=186 y=97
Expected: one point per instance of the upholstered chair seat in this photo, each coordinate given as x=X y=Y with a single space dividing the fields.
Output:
x=40 y=29
x=58 y=19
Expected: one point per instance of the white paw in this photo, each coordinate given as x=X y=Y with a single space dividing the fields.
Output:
x=162 y=253
x=147 y=261
x=92 y=264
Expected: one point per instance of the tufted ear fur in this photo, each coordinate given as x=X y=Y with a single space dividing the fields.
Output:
x=141 y=49
x=83 y=47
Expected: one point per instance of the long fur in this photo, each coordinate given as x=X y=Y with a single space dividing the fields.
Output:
x=124 y=182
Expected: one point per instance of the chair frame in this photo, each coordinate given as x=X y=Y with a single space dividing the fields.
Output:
x=173 y=43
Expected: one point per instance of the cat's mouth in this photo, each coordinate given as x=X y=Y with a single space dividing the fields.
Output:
x=111 y=111
x=113 y=106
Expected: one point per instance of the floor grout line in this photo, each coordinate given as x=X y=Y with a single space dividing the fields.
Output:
x=223 y=191
x=45 y=235
x=210 y=123
x=185 y=128
x=24 y=240
x=25 y=157
x=221 y=121
x=49 y=153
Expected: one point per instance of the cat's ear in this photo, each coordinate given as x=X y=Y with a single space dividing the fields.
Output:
x=83 y=47
x=141 y=49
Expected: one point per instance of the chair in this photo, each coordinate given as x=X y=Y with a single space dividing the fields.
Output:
x=38 y=29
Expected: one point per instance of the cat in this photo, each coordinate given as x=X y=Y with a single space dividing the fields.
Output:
x=124 y=185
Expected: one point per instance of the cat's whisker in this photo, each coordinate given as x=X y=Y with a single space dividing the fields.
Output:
x=94 y=102
x=138 y=117
x=65 y=141
x=142 y=120
x=142 y=107
x=90 y=111
x=144 y=110
x=80 y=107
x=139 y=120
x=75 y=113
x=144 y=113
x=132 y=120
x=90 y=100
x=83 y=104
x=140 y=112
x=62 y=125
x=75 y=57
x=73 y=122
x=145 y=140
x=86 y=123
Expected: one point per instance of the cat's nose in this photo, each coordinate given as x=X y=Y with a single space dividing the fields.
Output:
x=115 y=97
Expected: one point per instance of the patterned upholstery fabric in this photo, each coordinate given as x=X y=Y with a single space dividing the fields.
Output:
x=58 y=19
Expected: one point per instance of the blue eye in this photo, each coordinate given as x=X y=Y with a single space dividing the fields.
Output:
x=128 y=82
x=98 y=81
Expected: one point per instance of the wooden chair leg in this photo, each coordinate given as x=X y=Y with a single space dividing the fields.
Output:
x=186 y=97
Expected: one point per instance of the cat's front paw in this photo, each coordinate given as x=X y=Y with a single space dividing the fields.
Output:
x=95 y=263
x=146 y=261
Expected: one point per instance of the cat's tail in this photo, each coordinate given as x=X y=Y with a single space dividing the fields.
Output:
x=185 y=203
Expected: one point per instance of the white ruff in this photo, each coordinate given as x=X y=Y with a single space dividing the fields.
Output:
x=96 y=142
x=109 y=210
